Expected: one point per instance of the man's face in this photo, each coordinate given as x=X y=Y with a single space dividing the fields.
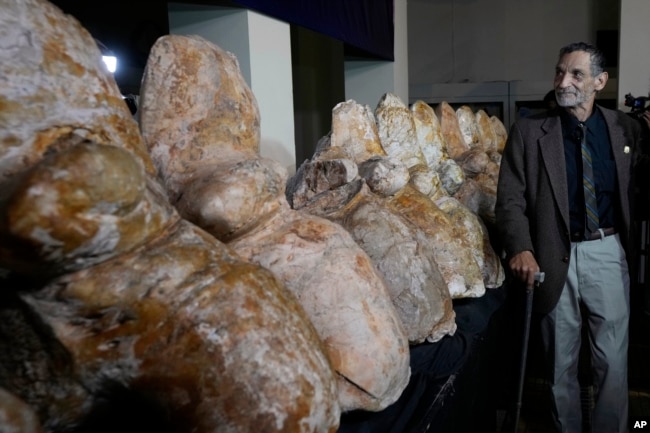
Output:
x=574 y=84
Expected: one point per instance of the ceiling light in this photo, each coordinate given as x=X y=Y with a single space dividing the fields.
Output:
x=111 y=63
x=107 y=56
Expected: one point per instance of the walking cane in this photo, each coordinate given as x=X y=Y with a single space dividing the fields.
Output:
x=539 y=278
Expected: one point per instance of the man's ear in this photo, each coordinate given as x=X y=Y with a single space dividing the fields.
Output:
x=601 y=80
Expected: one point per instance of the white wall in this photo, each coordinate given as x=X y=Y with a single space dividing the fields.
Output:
x=634 y=59
x=216 y=24
x=271 y=83
x=460 y=41
x=401 y=63
x=367 y=81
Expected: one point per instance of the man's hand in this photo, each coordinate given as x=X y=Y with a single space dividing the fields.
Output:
x=524 y=266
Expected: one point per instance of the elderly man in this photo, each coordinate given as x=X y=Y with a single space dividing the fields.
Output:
x=564 y=206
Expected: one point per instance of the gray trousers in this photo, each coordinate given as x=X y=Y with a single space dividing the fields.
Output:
x=599 y=281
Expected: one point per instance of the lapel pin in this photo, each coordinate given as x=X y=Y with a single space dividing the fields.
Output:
x=626 y=149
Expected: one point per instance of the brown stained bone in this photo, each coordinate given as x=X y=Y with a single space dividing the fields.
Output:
x=397 y=124
x=486 y=131
x=475 y=233
x=429 y=134
x=453 y=256
x=134 y=294
x=473 y=162
x=450 y=129
x=488 y=186
x=54 y=84
x=354 y=129
x=495 y=157
x=182 y=318
x=402 y=254
x=217 y=341
x=434 y=148
x=230 y=200
x=427 y=181
x=479 y=195
x=474 y=142
x=81 y=206
x=384 y=176
x=501 y=133
x=466 y=222
x=40 y=384
x=401 y=135
x=199 y=75
x=315 y=177
x=218 y=181
x=56 y=92
x=313 y=257
x=396 y=129
x=451 y=176
x=481 y=170
x=468 y=127
x=345 y=298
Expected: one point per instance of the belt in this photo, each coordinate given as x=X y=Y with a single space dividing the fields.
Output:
x=598 y=234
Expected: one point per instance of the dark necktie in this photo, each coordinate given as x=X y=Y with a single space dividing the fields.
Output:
x=591 y=205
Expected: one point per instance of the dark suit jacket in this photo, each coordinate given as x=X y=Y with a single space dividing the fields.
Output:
x=532 y=208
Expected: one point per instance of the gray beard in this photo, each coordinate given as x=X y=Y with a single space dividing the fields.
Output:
x=570 y=100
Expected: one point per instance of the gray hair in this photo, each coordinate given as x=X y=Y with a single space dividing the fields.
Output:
x=596 y=56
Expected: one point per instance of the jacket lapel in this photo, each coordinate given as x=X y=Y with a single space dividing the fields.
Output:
x=551 y=149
